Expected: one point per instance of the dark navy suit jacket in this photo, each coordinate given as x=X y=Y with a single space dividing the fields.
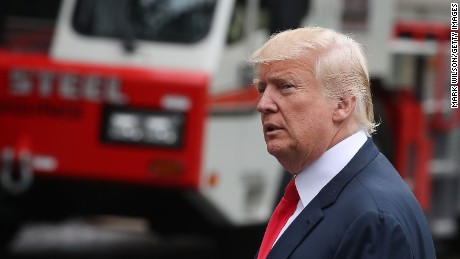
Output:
x=366 y=211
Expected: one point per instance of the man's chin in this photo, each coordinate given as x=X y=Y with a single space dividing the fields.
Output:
x=276 y=150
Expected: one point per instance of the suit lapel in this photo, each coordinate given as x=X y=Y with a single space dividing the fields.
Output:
x=313 y=213
x=297 y=231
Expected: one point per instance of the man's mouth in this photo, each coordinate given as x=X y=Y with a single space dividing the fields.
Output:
x=271 y=128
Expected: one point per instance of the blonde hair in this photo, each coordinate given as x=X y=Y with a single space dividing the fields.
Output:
x=336 y=60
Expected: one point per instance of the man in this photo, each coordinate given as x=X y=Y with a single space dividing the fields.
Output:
x=317 y=116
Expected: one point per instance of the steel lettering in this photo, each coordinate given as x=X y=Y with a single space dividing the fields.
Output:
x=67 y=86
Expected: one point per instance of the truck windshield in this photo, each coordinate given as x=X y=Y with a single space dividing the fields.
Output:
x=178 y=21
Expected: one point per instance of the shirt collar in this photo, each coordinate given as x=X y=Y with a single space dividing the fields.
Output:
x=313 y=178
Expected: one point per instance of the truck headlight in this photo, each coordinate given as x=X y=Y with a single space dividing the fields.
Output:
x=144 y=127
x=162 y=129
x=125 y=127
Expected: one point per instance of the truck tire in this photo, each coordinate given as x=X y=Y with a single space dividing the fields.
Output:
x=10 y=223
x=244 y=242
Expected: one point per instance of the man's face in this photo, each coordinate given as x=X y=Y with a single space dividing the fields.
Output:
x=296 y=117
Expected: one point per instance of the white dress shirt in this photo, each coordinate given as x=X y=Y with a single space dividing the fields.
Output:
x=312 y=179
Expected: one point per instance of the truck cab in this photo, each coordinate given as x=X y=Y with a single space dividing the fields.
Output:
x=137 y=108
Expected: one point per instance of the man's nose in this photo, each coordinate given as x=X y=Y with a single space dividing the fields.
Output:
x=266 y=102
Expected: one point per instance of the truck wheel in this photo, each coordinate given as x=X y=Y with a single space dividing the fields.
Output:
x=239 y=243
x=9 y=225
x=244 y=242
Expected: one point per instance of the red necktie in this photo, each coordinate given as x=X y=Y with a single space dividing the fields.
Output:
x=280 y=216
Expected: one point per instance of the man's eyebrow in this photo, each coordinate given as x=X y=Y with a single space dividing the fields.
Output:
x=275 y=80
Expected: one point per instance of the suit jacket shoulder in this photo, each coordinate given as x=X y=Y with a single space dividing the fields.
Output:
x=365 y=210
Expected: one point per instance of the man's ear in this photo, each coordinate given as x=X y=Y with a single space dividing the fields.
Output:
x=343 y=108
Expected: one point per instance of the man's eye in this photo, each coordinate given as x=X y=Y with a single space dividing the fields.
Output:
x=287 y=86
x=261 y=89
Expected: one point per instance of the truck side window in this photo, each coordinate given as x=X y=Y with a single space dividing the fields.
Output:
x=177 y=21
x=236 y=29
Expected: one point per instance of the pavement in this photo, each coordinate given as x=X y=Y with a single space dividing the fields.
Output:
x=110 y=237
x=103 y=237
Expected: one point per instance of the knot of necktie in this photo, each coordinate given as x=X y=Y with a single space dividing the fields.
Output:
x=291 y=193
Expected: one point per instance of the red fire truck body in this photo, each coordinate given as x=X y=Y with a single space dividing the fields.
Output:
x=64 y=116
